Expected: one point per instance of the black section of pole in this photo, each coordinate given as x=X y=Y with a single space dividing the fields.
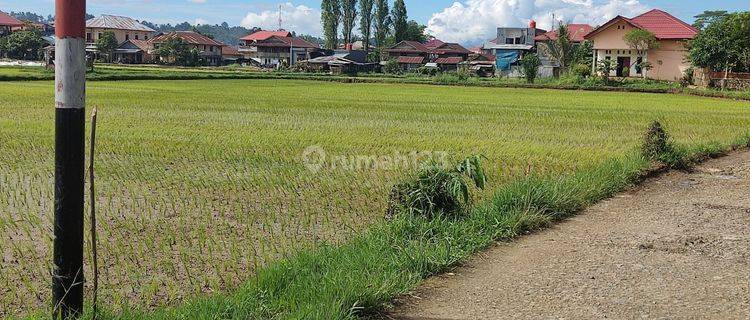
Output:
x=67 y=282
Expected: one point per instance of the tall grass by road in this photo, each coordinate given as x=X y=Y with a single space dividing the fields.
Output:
x=202 y=184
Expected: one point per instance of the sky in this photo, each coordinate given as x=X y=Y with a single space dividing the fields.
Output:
x=465 y=21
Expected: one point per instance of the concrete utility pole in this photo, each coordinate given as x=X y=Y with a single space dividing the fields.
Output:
x=70 y=94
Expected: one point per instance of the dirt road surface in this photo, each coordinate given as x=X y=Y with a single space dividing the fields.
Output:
x=676 y=247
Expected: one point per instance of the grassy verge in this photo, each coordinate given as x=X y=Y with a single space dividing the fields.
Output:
x=125 y=73
x=362 y=276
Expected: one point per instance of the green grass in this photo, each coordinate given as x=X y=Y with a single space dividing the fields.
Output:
x=201 y=184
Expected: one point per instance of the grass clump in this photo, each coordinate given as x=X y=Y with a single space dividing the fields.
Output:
x=658 y=147
x=438 y=189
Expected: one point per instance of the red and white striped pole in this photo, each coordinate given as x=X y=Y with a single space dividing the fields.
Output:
x=70 y=134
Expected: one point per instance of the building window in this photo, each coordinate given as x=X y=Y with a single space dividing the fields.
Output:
x=145 y=37
x=89 y=37
x=509 y=40
x=136 y=37
x=99 y=36
x=127 y=37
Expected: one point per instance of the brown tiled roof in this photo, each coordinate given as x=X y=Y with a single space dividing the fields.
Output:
x=447 y=48
x=188 y=37
x=410 y=60
x=7 y=20
x=144 y=45
x=449 y=60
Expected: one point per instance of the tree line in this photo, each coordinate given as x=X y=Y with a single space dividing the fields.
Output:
x=376 y=21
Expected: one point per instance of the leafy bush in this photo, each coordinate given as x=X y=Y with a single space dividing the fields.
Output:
x=437 y=189
x=392 y=67
x=530 y=67
x=626 y=71
x=605 y=67
x=581 y=70
x=428 y=71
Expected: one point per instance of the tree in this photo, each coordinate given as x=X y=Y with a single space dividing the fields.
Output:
x=415 y=32
x=642 y=41
x=330 y=16
x=107 y=44
x=583 y=53
x=382 y=23
x=530 y=67
x=400 y=21
x=365 y=22
x=172 y=50
x=708 y=17
x=23 y=45
x=723 y=45
x=561 y=50
x=349 y=18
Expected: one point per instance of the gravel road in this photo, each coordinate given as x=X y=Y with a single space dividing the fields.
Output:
x=676 y=247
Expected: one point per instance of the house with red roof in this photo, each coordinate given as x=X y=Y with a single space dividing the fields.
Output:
x=668 y=62
x=8 y=23
x=413 y=54
x=272 y=48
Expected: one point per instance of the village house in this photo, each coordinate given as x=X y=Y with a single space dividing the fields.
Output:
x=511 y=45
x=341 y=62
x=124 y=29
x=230 y=55
x=550 y=67
x=8 y=23
x=412 y=54
x=134 y=51
x=273 y=48
x=668 y=62
x=209 y=49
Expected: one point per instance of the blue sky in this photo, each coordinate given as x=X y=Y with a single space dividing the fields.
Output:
x=458 y=20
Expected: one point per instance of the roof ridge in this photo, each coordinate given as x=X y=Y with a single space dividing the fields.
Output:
x=670 y=17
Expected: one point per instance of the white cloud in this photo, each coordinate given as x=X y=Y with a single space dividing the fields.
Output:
x=474 y=21
x=301 y=19
x=197 y=1
x=200 y=21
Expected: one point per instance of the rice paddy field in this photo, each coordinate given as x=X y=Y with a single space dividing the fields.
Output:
x=201 y=183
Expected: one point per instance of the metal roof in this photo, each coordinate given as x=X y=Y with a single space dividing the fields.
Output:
x=188 y=37
x=117 y=22
x=7 y=20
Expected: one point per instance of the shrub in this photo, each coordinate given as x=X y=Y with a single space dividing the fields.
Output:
x=626 y=71
x=581 y=70
x=437 y=189
x=657 y=147
x=392 y=67
x=655 y=141
x=605 y=67
x=428 y=71
x=530 y=67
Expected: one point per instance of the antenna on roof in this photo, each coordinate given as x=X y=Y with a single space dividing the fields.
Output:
x=280 y=20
